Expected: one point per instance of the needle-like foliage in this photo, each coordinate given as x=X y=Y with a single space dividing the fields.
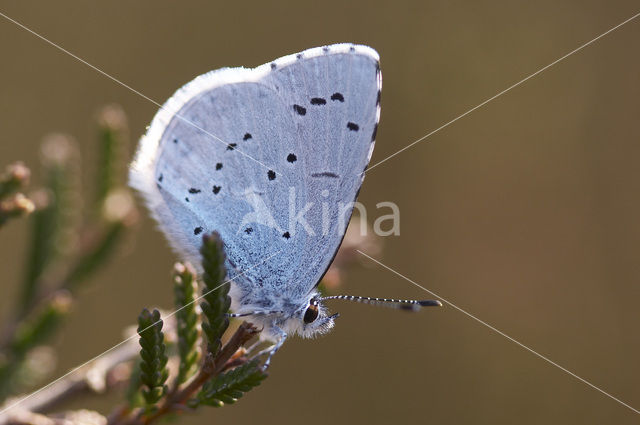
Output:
x=112 y=147
x=32 y=331
x=216 y=301
x=228 y=387
x=66 y=246
x=185 y=292
x=153 y=368
x=55 y=220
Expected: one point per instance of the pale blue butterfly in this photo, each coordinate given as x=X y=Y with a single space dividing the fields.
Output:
x=242 y=151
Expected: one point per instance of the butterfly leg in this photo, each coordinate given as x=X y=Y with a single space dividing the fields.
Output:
x=275 y=347
x=255 y=313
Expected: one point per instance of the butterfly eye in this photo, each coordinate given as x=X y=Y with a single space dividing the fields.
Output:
x=311 y=314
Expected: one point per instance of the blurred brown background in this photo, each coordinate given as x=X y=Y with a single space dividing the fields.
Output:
x=525 y=212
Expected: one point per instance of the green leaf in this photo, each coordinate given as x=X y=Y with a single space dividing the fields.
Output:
x=228 y=387
x=113 y=140
x=153 y=367
x=134 y=394
x=56 y=217
x=216 y=300
x=89 y=261
x=185 y=292
x=33 y=330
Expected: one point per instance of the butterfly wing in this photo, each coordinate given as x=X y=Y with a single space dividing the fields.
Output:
x=272 y=158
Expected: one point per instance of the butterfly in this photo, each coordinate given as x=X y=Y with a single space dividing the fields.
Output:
x=272 y=158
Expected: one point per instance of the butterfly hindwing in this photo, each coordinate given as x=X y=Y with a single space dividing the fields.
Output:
x=241 y=151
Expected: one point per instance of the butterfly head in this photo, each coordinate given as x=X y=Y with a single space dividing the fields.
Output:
x=310 y=319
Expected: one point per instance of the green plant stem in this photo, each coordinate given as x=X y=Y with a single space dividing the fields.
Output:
x=215 y=294
x=112 y=142
x=94 y=255
x=210 y=367
x=55 y=220
x=31 y=332
x=185 y=291
x=153 y=368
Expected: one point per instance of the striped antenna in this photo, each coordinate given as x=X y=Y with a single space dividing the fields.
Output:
x=410 y=305
x=255 y=313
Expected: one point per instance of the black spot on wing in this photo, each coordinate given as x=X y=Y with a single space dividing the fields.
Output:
x=375 y=132
x=273 y=65
x=291 y=158
x=186 y=199
x=378 y=98
x=300 y=110
x=325 y=174
x=248 y=230
x=299 y=56
x=219 y=166
x=197 y=230
x=271 y=174
x=216 y=189
x=231 y=146
x=337 y=96
x=247 y=136
x=194 y=190
x=160 y=178
x=286 y=235
x=353 y=126
x=318 y=101
x=175 y=140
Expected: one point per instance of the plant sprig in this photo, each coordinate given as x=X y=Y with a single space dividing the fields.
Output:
x=228 y=387
x=187 y=327
x=153 y=367
x=67 y=245
x=216 y=300
x=224 y=373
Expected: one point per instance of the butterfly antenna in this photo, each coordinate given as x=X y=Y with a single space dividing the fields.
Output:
x=410 y=305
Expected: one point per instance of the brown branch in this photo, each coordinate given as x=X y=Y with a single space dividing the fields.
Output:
x=95 y=377
x=210 y=368
x=92 y=378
